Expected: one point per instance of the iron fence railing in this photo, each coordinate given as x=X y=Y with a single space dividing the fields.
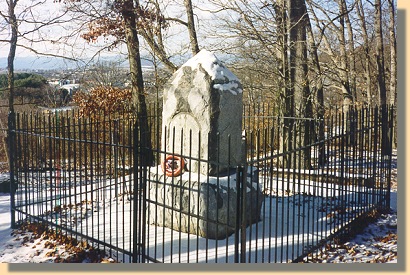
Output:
x=302 y=183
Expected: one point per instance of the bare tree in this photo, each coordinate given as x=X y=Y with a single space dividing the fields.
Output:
x=343 y=58
x=12 y=21
x=298 y=59
x=393 y=61
x=317 y=88
x=335 y=26
x=351 y=56
x=105 y=73
x=381 y=78
x=191 y=27
x=271 y=39
x=381 y=81
x=127 y=10
x=152 y=25
x=281 y=10
x=121 y=20
x=154 y=37
x=393 y=52
x=299 y=81
x=366 y=48
x=33 y=26
x=256 y=33
x=26 y=30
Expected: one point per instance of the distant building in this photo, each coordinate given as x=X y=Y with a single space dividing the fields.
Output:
x=67 y=92
x=64 y=82
x=70 y=88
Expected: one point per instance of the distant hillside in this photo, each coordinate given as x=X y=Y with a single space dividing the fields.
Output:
x=37 y=63
x=24 y=80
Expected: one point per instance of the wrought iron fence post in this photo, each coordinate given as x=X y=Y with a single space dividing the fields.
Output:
x=374 y=159
x=141 y=161
x=392 y=131
x=11 y=140
x=243 y=199
x=240 y=226
x=115 y=140
x=238 y=213
x=136 y=238
x=146 y=153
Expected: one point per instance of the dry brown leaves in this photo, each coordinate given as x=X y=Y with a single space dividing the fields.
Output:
x=103 y=99
x=75 y=251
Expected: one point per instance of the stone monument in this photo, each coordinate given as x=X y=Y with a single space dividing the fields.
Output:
x=202 y=121
x=204 y=97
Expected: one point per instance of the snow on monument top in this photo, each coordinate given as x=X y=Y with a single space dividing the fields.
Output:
x=224 y=79
x=211 y=64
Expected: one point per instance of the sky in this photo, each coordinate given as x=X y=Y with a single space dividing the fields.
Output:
x=46 y=9
x=76 y=48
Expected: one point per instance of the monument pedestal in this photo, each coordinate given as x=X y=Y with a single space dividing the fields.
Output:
x=205 y=208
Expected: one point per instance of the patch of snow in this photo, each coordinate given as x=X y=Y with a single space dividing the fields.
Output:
x=232 y=87
x=223 y=78
x=211 y=64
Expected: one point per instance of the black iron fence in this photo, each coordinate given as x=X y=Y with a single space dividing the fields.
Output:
x=302 y=183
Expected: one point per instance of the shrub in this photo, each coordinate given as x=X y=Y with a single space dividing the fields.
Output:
x=103 y=100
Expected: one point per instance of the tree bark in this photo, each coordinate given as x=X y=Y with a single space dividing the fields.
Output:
x=351 y=53
x=393 y=54
x=158 y=49
x=287 y=108
x=12 y=52
x=137 y=81
x=11 y=126
x=367 y=67
x=191 y=27
x=381 y=84
x=320 y=111
x=393 y=63
x=344 y=61
x=299 y=82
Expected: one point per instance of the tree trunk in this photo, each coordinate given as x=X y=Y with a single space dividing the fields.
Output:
x=393 y=54
x=191 y=27
x=320 y=113
x=351 y=54
x=393 y=64
x=137 y=82
x=281 y=20
x=158 y=49
x=12 y=53
x=367 y=93
x=381 y=84
x=299 y=82
x=345 y=71
x=287 y=107
x=11 y=126
x=344 y=61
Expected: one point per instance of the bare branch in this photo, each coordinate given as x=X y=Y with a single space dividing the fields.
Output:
x=46 y=54
x=177 y=20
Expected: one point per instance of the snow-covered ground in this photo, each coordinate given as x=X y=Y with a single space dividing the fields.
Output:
x=377 y=243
